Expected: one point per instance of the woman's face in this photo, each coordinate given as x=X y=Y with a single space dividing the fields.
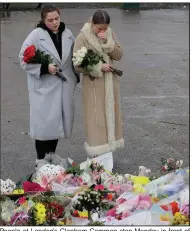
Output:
x=52 y=21
x=99 y=28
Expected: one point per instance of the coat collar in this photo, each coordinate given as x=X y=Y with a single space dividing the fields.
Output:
x=94 y=40
x=47 y=43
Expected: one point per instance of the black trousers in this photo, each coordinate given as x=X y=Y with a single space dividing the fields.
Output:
x=45 y=146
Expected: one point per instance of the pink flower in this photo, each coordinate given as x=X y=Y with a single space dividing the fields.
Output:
x=111 y=212
x=96 y=177
x=121 y=200
x=45 y=182
x=185 y=210
x=59 y=178
x=79 y=181
x=120 y=188
x=22 y=200
x=19 y=219
x=68 y=177
x=115 y=188
x=99 y=187
x=145 y=197
x=143 y=205
x=139 y=202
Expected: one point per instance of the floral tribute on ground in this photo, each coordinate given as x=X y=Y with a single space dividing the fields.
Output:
x=76 y=194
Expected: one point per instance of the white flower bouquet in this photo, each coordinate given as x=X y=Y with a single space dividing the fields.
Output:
x=49 y=173
x=7 y=186
x=89 y=200
x=88 y=59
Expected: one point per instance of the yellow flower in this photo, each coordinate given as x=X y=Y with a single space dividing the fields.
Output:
x=165 y=217
x=138 y=188
x=177 y=214
x=60 y=223
x=143 y=180
x=155 y=199
x=18 y=191
x=180 y=219
x=40 y=213
x=83 y=214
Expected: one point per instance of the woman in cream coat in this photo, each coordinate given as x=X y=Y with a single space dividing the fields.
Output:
x=101 y=99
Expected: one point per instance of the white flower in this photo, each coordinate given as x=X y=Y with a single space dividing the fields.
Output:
x=76 y=63
x=79 y=59
x=7 y=210
x=81 y=54
x=75 y=54
x=73 y=59
x=7 y=186
x=84 y=50
x=166 y=167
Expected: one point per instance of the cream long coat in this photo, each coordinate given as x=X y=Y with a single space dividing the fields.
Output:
x=101 y=99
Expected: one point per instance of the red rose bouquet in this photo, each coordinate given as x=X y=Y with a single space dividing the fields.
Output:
x=33 y=55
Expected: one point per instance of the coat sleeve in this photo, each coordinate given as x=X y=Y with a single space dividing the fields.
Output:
x=31 y=69
x=95 y=70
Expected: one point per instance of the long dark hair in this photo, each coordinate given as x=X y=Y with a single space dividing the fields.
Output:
x=101 y=17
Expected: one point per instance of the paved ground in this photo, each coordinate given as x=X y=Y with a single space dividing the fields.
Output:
x=154 y=90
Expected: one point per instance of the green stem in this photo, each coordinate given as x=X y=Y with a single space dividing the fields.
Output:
x=89 y=216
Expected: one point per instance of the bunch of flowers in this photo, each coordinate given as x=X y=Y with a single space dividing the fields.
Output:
x=39 y=212
x=115 y=181
x=173 y=206
x=170 y=165
x=89 y=200
x=33 y=55
x=74 y=169
x=106 y=194
x=87 y=58
x=19 y=219
x=32 y=187
x=7 y=208
x=18 y=191
x=185 y=209
x=96 y=171
x=54 y=211
x=121 y=188
x=127 y=207
x=7 y=186
x=50 y=173
x=75 y=181
x=180 y=219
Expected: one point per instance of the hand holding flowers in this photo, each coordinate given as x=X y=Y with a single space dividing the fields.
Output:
x=87 y=59
x=33 y=55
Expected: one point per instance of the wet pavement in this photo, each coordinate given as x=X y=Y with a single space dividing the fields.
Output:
x=154 y=90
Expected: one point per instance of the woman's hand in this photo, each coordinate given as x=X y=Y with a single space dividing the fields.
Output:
x=106 y=67
x=101 y=35
x=52 y=69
